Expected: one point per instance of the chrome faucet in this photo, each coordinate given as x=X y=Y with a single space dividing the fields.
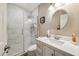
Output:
x=57 y=37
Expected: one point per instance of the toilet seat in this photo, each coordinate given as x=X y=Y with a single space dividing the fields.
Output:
x=32 y=47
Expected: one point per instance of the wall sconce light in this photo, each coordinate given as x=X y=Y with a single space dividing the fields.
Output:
x=51 y=7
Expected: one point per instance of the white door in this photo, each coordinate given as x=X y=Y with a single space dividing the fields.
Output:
x=3 y=24
x=15 y=27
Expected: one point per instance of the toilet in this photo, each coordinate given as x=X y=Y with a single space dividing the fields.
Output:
x=31 y=51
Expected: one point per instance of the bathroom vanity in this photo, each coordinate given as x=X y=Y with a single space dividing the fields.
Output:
x=51 y=47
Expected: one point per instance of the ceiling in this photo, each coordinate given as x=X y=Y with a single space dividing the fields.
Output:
x=28 y=6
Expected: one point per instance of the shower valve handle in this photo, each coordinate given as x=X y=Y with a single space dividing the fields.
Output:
x=6 y=48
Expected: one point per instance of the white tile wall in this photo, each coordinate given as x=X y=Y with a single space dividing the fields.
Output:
x=16 y=40
x=34 y=29
x=14 y=17
x=27 y=34
x=15 y=25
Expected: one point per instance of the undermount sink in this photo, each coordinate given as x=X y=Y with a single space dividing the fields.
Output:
x=55 y=41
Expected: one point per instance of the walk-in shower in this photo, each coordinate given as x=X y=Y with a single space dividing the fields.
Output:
x=21 y=29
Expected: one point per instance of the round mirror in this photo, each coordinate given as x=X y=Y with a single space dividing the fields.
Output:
x=59 y=19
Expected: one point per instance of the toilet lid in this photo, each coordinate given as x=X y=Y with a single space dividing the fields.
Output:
x=32 y=47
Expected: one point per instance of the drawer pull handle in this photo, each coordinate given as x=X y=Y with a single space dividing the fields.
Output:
x=52 y=54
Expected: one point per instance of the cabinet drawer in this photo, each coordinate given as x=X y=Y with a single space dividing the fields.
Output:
x=39 y=50
x=48 y=51
x=39 y=53
x=58 y=54
x=39 y=45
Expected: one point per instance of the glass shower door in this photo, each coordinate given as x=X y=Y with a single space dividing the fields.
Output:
x=21 y=30
x=15 y=30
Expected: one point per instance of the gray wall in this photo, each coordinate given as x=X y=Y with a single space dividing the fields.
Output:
x=43 y=11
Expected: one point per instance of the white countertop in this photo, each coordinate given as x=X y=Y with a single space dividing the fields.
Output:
x=67 y=46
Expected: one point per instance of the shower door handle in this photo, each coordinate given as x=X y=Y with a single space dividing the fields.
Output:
x=22 y=31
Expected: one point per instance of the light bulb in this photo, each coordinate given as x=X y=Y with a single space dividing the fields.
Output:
x=51 y=8
x=58 y=4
